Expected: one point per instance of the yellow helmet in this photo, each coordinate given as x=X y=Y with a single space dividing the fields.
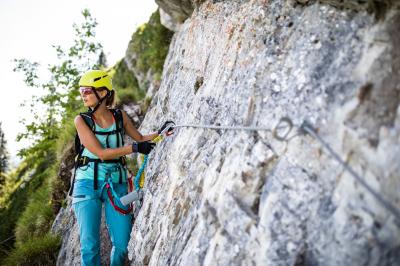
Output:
x=96 y=79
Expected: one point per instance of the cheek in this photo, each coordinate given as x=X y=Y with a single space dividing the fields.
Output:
x=88 y=98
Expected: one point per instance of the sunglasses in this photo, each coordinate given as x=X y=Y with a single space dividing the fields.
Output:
x=86 y=90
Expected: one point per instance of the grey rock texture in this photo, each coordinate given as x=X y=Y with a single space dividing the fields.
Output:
x=216 y=197
x=176 y=10
x=144 y=79
x=168 y=21
x=134 y=112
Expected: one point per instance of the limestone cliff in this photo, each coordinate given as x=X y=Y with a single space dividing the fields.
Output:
x=237 y=198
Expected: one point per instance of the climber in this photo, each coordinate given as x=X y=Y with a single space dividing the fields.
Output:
x=100 y=168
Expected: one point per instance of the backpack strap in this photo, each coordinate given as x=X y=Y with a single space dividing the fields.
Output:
x=96 y=174
x=119 y=125
x=87 y=118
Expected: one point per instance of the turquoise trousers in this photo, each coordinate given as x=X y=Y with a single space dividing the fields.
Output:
x=87 y=204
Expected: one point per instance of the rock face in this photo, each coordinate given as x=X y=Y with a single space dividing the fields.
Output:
x=144 y=79
x=168 y=21
x=217 y=197
x=175 y=12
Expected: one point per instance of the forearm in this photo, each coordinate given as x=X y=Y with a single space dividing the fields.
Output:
x=114 y=153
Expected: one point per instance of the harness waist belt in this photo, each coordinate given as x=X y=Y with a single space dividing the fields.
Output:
x=84 y=160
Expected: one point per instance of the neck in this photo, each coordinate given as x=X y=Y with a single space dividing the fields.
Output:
x=101 y=111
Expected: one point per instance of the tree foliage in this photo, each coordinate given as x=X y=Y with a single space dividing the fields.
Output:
x=26 y=209
x=59 y=98
x=3 y=157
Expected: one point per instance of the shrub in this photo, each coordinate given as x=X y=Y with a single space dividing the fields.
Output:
x=150 y=43
x=36 y=251
x=37 y=217
x=126 y=84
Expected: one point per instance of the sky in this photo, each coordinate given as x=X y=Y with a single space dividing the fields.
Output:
x=29 y=29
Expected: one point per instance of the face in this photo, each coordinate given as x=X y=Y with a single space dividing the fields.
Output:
x=88 y=96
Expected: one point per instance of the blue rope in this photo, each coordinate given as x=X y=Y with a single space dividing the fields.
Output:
x=139 y=173
x=113 y=191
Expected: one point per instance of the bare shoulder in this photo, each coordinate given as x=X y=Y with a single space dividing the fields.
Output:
x=78 y=120
x=80 y=123
x=124 y=114
x=125 y=117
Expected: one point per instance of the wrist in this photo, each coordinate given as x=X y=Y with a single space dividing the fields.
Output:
x=134 y=147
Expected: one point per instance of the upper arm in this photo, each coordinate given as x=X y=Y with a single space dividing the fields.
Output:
x=87 y=137
x=130 y=129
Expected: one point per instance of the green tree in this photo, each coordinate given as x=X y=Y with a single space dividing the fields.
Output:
x=29 y=206
x=3 y=157
x=59 y=94
x=102 y=61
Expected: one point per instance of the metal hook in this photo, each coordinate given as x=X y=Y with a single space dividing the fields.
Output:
x=282 y=129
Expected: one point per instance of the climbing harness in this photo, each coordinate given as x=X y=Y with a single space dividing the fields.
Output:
x=81 y=161
x=112 y=196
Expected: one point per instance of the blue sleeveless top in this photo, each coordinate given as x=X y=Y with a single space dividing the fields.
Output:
x=105 y=170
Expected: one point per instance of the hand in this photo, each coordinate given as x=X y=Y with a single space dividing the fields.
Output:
x=143 y=147
x=165 y=125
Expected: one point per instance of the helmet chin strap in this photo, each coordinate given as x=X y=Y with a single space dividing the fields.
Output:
x=100 y=101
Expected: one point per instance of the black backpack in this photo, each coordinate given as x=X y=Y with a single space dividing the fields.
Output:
x=79 y=148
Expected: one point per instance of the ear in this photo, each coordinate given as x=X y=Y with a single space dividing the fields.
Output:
x=103 y=93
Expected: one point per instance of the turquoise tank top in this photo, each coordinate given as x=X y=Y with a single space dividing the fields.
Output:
x=105 y=170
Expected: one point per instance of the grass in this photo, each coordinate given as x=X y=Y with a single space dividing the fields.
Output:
x=14 y=197
x=25 y=211
x=36 y=219
x=41 y=250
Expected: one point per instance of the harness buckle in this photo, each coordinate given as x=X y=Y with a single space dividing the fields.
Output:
x=123 y=160
x=82 y=161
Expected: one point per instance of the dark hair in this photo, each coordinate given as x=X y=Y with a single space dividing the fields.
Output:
x=110 y=100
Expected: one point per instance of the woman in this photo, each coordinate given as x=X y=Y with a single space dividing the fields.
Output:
x=101 y=162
